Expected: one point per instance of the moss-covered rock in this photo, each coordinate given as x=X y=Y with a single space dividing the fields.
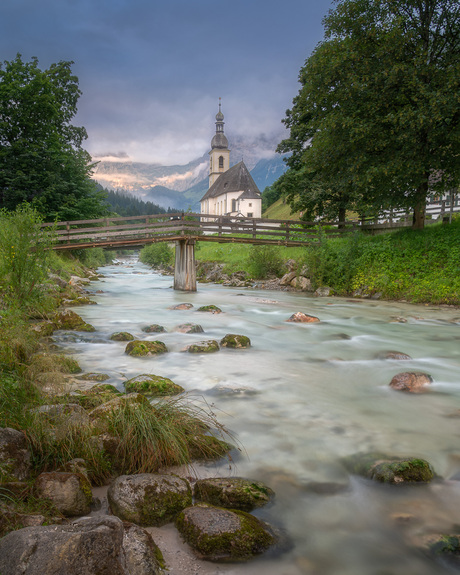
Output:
x=96 y=395
x=233 y=492
x=218 y=534
x=68 y=319
x=154 y=328
x=189 y=328
x=69 y=492
x=149 y=499
x=138 y=348
x=93 y=377
x=121 y=336
x=210 y=308
x=153 y=385
x=209 y=346
x=235 y=341
x=387 y=469
x=117 y=403
x=204 y=447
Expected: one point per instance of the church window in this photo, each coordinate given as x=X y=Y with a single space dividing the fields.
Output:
x=250 y=215
x=233 y=205
x=221 y=162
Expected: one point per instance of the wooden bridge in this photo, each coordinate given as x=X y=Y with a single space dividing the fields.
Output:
x=185 y=229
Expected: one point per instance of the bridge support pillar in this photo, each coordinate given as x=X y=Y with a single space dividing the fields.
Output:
x=185 y=268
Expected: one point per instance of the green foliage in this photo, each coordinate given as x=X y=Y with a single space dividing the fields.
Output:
x=41 y=156
x=159 y=254
x=265 y=261
x=377 y=112
x=125 y=204
x=24 y=252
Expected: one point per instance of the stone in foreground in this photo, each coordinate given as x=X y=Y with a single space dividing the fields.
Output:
x=209 y=346
x=411 y=382
x=189 y=328
x=122 y=336
x=233 y=492
x=235 y=341
x=300 y=317
x=92 y=545
x=153 y=386
x=210 y=308
x=14 y=456
x=69 y=492
x=387 y=469
x=149 y=499
x=138 y=348
x=218 y=534
x=154 y=328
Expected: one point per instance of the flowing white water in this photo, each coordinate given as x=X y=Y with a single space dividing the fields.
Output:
x=302 y=397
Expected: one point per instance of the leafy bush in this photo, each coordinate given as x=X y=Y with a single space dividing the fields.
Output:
x=265 y=261
x=159 y=254
x=24 y=254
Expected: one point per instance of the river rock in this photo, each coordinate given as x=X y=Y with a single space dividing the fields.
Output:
x=235 y=341
x=387 y=469
x=233 y=492
x=443 y=547
x=300 y=317
x=100 y=377
x=154 y=328
x=116 y=404
x=412 y=382
x=68 y=319
x=149 y=499
x=397 y=355
x=323 y=292
x=69 y=492
x=210 y=309
x=153 y=385
x=181 y=306
x=138 y=348
x=64 y=415
x=220 y=534
x=14 y=455
x=301 y=283
x=96 y=395
x=87 y=546
x=143 y=556
x=189 y=328
x=121 y=336
x=208 y=448
x=209 y=346
x=287 y=278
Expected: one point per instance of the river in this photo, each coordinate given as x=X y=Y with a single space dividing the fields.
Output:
x=301 y=398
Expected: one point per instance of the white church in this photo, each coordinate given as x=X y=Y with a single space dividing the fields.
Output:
x=232 y=190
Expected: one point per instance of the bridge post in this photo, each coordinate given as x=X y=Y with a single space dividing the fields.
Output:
x=185 y=269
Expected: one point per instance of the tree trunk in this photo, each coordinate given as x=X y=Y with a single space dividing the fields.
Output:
x=342 y=215
x=418 y=221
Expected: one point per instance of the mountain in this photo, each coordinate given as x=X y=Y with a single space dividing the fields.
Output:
x=182 y=186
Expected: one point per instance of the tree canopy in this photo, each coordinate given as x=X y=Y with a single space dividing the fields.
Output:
x=42 y=160
x=376 y=123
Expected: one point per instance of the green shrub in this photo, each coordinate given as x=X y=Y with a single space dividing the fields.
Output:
x=265 y=261
x=159 y=254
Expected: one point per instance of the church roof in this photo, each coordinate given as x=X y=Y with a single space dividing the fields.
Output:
x=219 y=141
x=235 y=179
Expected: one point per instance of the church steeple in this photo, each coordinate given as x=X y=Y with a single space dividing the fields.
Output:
x=219 y=154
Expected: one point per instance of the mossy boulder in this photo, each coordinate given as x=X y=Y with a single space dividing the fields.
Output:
x=149 y=499
x=300 y=317
x=138 y=348
x=116 y=404
x=233 y=492
x=210 y=308
x=445 y=548
x=387 y=469
x=96 y=395
x=208 y=346
x=121 y=336
x=69 y=492
x=153 y=385
x=68 y=319
x=189 y=328
x=235 y=341
x=411 y=382
x=93 y=377
x=15 y=458
x=44 y=328
x=218 y=534
x=154 y=328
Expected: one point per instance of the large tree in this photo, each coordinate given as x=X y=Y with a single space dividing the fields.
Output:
x=42 y=160
x=376 y=121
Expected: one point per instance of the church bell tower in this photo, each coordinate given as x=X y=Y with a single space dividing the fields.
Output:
x=219 y=156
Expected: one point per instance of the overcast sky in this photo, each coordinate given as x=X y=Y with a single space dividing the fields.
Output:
x=152 y=71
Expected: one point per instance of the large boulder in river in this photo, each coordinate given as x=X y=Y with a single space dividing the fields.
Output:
x=122 y=336
x=138 y=348
x=412 y=382
x=209 y=346
x=387 y=469
x=94 y=545
x=68 y=319
x=235 y=341
x=153 y=328
x=153 y=385
x=218 y=534
x=300 y=317
x=14 y=455
x=233 y=492
x=69 y=492
x=149 y=499
x=189 y=328
x=210 y=308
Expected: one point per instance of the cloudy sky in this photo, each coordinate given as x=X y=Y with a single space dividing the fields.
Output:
x=152 y=71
